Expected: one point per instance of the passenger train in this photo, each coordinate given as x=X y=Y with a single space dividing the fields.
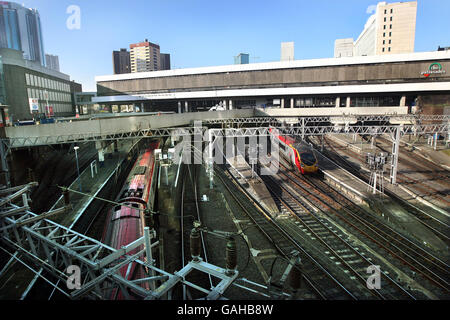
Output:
x=297 y=152
x=126 y=221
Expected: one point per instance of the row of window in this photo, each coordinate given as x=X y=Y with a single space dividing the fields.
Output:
x=385 y=11
x=36 y=81
x=48 y=95
x=57 y=107
x=386 y=18
x=390 y=27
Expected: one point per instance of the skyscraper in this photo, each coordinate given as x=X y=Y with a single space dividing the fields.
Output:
x=165 y=61
x=391 y=29
x=52 y=61
x=287 y=51
x=241 y=58
x=20 y=29
x=121 y=61
x=144 y=56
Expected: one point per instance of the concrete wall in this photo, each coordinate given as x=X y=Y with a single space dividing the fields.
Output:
x=303 y=112
x=64 y=131
x=321 y=75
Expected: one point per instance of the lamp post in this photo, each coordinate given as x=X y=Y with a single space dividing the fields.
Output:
x=78 y=168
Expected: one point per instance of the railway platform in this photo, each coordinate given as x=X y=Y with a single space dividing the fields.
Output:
x=93 y=179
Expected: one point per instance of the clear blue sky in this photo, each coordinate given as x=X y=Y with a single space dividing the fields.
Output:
x=210 y=32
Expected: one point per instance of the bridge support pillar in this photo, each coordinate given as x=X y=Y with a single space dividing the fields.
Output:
x=230 y=105
x=403 y=101
x=338 y=102
x=282 y=103
x=179 y=106
x=292 y=102
x=347 y=102
x=186 y=106
x=101 y=152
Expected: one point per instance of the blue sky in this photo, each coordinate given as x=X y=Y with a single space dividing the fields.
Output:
x=208 y=32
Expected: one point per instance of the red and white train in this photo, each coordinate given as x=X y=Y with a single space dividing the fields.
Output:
x=125 y=222
x=298 y=153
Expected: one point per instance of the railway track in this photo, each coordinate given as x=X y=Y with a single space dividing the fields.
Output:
x=439 y=227
x=320 y=281
x=350 y=262
x=357 y=219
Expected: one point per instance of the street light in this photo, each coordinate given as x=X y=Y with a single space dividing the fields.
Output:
x=78 y=168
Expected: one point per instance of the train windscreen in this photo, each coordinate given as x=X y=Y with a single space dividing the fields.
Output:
x=308 y=158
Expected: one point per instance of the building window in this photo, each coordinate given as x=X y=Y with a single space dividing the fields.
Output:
x=383 y=49
x=390 y=34
x=389 y=41
x=384 y=34
x=384 y=41
x=389 y=49
x=384 y=19
x=390 y=19
x=390 y=26
x=384 y=27
x=385 y=11
x=392 y=10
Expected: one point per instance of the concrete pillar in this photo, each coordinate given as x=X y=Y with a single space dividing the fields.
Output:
x=142 y=107
x=179 y=106
x=282 y=102
x=186 y=106
x=224 y=103
x=101 y=152
x=403 y=101
x=338 y=102
x=292 y=102
x=230 y=105
x=347 y=102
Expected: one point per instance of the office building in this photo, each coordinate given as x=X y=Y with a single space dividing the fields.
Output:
x=391 y=29
x=241 y=58
x=20 y=29
x=164 y=61
x=287 y=51
x=33 y=90
x=343 y=48
x=121 y=61
x=52 y=61
x=144 y=56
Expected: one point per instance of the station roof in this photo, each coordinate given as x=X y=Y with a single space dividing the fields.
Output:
x=311 y=63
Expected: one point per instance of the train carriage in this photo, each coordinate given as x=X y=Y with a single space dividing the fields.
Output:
x=125 y=222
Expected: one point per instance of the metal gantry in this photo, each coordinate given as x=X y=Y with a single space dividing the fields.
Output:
x=84 y=267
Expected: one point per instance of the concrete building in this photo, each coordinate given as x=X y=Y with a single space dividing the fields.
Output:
x=287 y=51
x=20 y=29
x=145 y=56
x=380 y=83
x=29 y=88
x=343 y=48
x=165 y=61
x=390 y=30
x=121 y=61
x=52 y=61
x=242 y=58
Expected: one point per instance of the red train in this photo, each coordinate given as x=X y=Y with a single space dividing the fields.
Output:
x=298 y=153
x=125 y=224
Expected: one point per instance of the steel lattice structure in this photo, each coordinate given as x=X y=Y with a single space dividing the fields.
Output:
x=40 y=243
